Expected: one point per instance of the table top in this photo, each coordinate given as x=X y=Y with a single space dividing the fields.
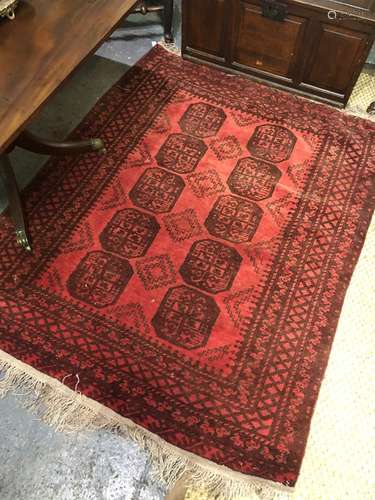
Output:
x=42 y=46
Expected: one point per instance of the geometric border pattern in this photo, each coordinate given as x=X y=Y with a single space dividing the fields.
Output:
x=322 y=234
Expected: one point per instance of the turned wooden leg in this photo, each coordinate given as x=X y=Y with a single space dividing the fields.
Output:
x=15 y=202
x=31 y=142
x=168 y=21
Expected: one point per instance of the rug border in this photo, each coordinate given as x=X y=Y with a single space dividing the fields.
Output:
x=67 y=410
x=173 y=49
x=24 y=376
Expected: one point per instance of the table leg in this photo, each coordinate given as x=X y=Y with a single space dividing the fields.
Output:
x=15 y=202
x=168 y=20
x=36 y=144
x=31 y=142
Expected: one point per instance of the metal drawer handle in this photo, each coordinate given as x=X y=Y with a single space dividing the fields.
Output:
x=273 y=10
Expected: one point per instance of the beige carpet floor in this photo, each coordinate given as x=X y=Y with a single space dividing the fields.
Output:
x=363 y=94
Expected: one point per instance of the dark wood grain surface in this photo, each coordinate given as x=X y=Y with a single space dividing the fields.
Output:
x=42 y=46
x=308 y=51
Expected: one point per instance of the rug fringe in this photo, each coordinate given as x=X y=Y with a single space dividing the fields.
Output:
x=170 y=47
x=68 y=410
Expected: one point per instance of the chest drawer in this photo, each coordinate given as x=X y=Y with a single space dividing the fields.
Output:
x=267 y=45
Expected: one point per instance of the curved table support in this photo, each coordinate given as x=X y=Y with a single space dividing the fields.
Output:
x=31 y=142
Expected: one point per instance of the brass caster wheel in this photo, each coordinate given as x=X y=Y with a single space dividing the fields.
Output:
x=97 y=145
x=23 y=241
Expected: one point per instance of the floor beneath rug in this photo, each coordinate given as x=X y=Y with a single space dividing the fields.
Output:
x=363 y=93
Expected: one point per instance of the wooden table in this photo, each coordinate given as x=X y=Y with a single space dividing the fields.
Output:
x=38 y=51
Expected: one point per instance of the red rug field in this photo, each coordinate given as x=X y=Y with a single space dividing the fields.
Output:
x=193 y=276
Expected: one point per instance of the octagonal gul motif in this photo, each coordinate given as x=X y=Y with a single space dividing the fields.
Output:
x=202 y=120
x=181 y=153
x=129 y=233
x=272 y=143
x=234 y=219
x=186 y=317
x=254 y=179
x=211 y=266
x=99 y=279
x=157 y=190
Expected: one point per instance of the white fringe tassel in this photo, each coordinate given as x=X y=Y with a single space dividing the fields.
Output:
x=66 y=410
x=170 y=47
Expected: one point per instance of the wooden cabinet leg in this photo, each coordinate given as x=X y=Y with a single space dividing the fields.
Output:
x=371 y=109
x=15 y=202
x=168 y=20
x=143 y=7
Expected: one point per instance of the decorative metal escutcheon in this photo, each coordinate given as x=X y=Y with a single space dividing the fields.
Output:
x=273 y=10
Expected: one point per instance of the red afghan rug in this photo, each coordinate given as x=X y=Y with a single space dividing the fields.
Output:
x=193 y=277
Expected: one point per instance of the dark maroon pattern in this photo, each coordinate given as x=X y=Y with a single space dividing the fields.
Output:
x=186 y=317
x=129 y=233
x=197 y=294
x=233 y=219
x=272 y=143
x=100 y=279
x=157 y=190
x=226 y=148
x=182 y=225
x=206 y=183
x=156 y=272
x=211 y=266
x=202 y=120
x=181 y=153
x=254 y=179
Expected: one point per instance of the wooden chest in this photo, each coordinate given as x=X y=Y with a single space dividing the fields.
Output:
x=317 y=48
